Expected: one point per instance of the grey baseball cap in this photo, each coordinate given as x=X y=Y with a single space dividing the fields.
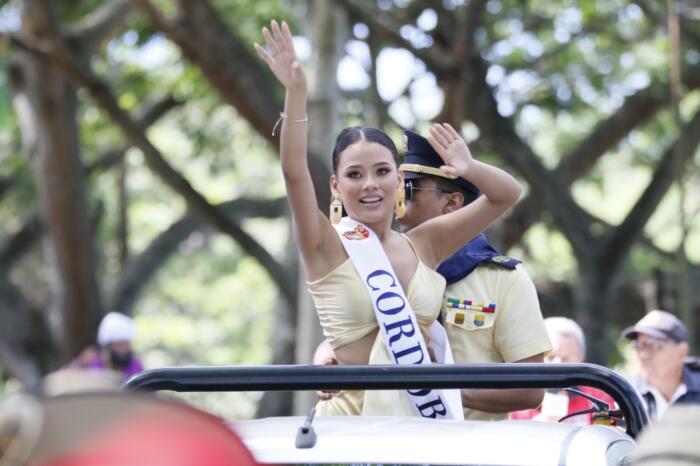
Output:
x=658 y=324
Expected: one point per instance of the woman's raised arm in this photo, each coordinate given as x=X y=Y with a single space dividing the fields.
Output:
x=309 y=223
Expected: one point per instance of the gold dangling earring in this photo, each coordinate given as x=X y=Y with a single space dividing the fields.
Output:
x=400 y=208
x=336 y=208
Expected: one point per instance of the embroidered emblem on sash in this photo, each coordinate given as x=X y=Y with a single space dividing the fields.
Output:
x=359 y=233
x=470 y=305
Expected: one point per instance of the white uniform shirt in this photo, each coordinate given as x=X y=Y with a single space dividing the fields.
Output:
x=654 y=402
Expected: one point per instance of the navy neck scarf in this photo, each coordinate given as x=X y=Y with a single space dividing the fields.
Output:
x=468 y=258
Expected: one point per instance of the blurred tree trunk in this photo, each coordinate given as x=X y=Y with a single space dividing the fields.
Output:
x=667 y=295
x=123 y=208
x=46 y=107
x=328 y=35
x=283 y=340
x=684 y=308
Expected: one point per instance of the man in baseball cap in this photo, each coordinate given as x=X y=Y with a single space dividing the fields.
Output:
x=666 y=376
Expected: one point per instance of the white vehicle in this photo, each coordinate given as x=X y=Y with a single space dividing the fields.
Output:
x=406 y=440
x=386 y=440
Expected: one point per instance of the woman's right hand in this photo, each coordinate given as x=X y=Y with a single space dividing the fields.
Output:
x=281 y=57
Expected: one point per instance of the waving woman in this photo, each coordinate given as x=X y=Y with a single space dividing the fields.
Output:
x=355 y=282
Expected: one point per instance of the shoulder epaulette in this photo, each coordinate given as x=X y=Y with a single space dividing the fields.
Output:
x=504 y=261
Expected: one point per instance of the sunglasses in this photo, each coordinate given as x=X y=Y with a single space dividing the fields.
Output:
x=409 y=188
x=650 y=345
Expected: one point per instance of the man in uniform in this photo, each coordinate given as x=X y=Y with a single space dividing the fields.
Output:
x=490 y=312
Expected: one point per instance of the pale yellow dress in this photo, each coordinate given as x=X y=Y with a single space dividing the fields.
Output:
x=346 y=315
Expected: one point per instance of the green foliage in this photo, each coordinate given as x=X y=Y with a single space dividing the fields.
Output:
x=210 y=306
x=247 y=17
x=546 y=254
x=558 y=68
x=209 y=312
x=5 y=103
x=73 y=11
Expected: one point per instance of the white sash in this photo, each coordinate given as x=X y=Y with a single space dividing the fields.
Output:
x=397 y=322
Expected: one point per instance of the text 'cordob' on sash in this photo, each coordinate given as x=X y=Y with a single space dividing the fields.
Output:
x=397 y=322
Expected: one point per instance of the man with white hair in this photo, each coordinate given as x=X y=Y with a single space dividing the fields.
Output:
x=568 y=347
x=568 y=342
x=114 y=336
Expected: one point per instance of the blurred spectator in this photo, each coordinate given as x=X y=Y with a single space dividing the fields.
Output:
x=666 y=375
x=73 y=379
x=568 y=346
x=114 y=336
x=671 y=441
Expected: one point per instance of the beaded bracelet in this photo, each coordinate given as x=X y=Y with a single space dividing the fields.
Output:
x=284 y=116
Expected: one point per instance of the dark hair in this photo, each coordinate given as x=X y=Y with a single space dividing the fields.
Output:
x=352 y=134
x=446 y=185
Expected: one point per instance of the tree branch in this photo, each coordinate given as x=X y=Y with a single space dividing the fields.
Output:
x=82 y=77
x=141 y=269
x=439 y=61
x=606 y=135
x=146 y=116
x=209 y=44
x=499 y=131
x=472 y=20
x=98 y=25
x=19 y=243
x=622 y=237
x=5 y=184
x=379 y=108
x=16 y=329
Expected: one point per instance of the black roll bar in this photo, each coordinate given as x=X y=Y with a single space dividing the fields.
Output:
x=386 y=377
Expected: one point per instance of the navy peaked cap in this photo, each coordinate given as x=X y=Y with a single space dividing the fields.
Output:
x=422 y=160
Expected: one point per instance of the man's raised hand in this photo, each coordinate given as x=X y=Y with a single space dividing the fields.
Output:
x=451 y=147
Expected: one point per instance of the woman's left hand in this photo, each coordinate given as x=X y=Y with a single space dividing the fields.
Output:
x=451 y=147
